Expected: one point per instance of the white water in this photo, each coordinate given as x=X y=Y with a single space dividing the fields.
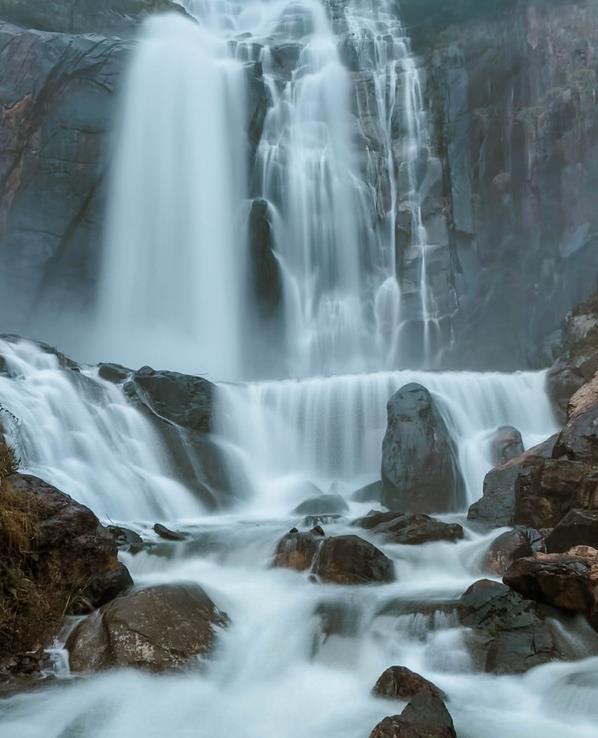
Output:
x=172 y=280
x=79 y=433
x=329 y=431
x=173 y=293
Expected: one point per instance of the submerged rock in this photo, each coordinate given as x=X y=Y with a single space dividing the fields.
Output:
x=167 y=534
x=156 y=628
x=410 y=529
x=400 y=683
x=507 y=444
x=322 y=505
x=420 y=473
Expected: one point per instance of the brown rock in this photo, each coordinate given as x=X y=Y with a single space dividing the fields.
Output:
x=410 y=529
x=425 y=716
x=351 y=560
x=297 y=550
x=156 y=628
x=510 y=546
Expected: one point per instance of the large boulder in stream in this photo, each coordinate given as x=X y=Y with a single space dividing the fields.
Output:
x=55 y=559
x=506 y=444
x=425 y=716
x=512 y=545
x=410 y=530
x=334 y=559
x=157 y=628
x=508 y=634
x=420 y=473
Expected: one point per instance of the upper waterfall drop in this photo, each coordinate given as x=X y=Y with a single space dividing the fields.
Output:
x=172 y=279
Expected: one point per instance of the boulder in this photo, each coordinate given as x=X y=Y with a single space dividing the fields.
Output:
x=157 y=628
x=507 y=444
x=370 y=493
x=510 y=546
x=297 y=550
x=351 y=560
x=400 y=683
x=577 y=528
x=425 y=716
x=497 y=504
x=420 y=473
x=322 y=505
x=182 y=399
x=568 y=581
x=579 y=438
x=55 y=559
x=410 y=529
x=126 y=539
x=508 y=633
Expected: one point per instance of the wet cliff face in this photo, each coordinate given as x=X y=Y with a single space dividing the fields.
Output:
x=509 y=188
x=513 y=97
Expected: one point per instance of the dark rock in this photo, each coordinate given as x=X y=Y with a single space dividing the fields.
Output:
x=410 y=529
x=398 y=682
x=178 y=398
x=297 y=550
x=425 y=716
x=266 y=276
x=167 y=534
x=126 y=540
x=114 y=373
x=579 y=438
x=322 y=505
x=507 y=444
x=568 y=581
x=512 y=545
x=370 y=493
x=509 y=634
x=156 y=628
x=497 y=505
x=55 y=559
x=351 y=560
x=577 y=528
x=420 y=472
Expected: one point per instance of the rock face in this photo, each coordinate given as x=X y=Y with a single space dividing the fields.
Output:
x=577 y=528
x=338 y=559
x=157 y=628
x=409 y=529
x=424 y=717
x=420 y=472
x=400 y=683
x=509 y=634
x=55 y=559
x=568 y=581
x=512 y=545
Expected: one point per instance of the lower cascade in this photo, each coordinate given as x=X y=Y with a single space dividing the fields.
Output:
x=275 y=511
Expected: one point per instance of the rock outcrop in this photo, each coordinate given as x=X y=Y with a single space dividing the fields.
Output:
x=420 y=472
x=400 y=683
x=157 y=628
x=512 y=545
x=55 y=559
x=425 y=716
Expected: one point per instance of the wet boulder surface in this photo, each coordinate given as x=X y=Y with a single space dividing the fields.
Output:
x=420 y=473
x=425 y=716
x=399 y=682
x=411 y=530
x=157 y=628
x=510 y=546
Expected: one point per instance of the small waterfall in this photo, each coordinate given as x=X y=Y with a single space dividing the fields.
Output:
x=328 y=431
x=172 y=278
x=79 y=433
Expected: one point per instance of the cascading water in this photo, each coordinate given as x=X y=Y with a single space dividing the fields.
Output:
x=356 y=299
x=172 y=281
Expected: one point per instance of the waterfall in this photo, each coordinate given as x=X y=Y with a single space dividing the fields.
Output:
x=81 y=434
x=172 y=277
x=328 y=431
